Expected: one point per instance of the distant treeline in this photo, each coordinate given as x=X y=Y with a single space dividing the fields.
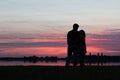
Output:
x=89 y=58
x=30 y=59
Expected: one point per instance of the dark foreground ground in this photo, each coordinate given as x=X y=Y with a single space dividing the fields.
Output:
x=59 y=73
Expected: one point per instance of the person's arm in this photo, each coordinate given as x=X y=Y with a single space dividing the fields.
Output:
x=68 y=40
x=85 y=41
x=84 y=34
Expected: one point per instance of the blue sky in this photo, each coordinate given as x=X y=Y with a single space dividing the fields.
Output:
x=85 y=12
x=43 y=15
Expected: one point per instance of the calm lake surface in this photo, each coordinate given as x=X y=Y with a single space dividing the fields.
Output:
x=58 y=63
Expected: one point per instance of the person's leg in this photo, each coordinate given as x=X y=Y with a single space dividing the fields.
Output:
x=82 y=56
x=75 y=58
x=69 y=55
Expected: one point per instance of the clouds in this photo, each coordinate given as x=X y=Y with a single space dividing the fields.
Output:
x=32 y=44
x=83 y=11
x=108 y=41
x=33 y=40
x=31 y=37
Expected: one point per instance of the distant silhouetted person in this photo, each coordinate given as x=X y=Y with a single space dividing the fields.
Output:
x=81 y=49
x=72 y=43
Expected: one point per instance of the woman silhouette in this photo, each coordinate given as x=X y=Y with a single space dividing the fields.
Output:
x=81 y=49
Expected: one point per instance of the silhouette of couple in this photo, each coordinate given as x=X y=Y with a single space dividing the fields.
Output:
x=76 y=46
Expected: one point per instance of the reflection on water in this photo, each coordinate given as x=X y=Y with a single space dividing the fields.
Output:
x=39 y=63
x=58 y=63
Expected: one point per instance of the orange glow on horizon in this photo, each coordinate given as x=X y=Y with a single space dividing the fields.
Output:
x=94 y=49
x=53 y=51
x=48 y=51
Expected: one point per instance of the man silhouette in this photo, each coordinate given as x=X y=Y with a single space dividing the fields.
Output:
x=72 y=43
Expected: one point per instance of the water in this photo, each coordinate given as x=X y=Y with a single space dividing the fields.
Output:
x=58 y=63
x=22 y=63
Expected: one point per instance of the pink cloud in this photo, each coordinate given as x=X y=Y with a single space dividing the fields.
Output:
x=55 y=44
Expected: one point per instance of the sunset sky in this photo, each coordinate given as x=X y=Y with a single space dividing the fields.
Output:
x=39 y=27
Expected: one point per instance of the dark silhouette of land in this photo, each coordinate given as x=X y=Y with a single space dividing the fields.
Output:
x=59 y=73
x=99 y=59
x=32 y=59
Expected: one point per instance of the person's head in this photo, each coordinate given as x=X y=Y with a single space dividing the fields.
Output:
x=82 y=32
x=75 y=26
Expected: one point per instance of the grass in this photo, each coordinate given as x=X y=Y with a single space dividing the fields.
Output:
x=59 y=73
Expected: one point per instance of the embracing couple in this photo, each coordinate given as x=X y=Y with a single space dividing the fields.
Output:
x=76 y=46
